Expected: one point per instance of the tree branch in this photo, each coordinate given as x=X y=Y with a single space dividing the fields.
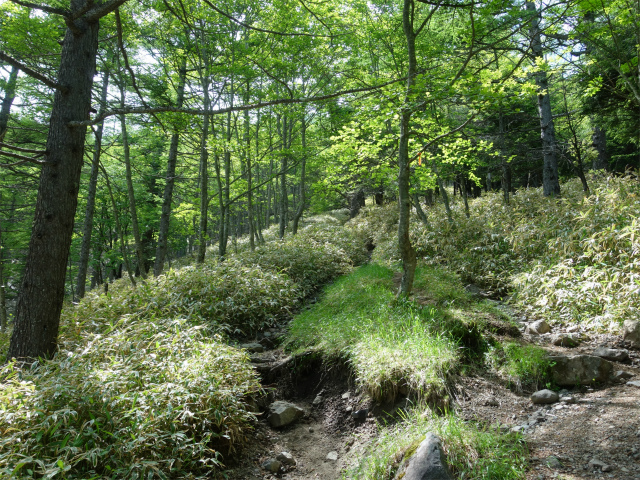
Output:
x=101 y=10
x=44 y=8
x=440 y=137
x=32 y=73
x=23 y=150
x=251 y=106
x=22 y=159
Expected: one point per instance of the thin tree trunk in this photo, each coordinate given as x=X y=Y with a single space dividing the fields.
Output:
x=407 y=252
x=421 y=215
x=599 y=142
x=87 y=228
x=550 y=182
x=167 y=197
x=41 y=294
x=445 y=200
x=9 y=97
x=463 y=192
x=204 y=177
x=119 y=232
x=302 y=192
x=3 y=298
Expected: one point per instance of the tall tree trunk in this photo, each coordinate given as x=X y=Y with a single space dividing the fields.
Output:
x=421 y=215
x=550 y=182
x=463 y=192
x=445 y=199
x=41 y=294
x=407 y=252
x=302 y=192
x=87 y=228
x=133 y=210
x=204 y=177
x=9 y=97
x=284 y=205
x=167 y=197
x=3 y=298
x=249 y=173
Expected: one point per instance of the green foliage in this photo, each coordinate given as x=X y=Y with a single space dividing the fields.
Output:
x=144 y=399
x=472 y=451
x=521 y=365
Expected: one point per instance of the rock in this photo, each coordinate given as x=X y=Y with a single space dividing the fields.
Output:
x=333 y=456
x=349 y=409
x=634 y=384
x=607 y=468
x=539 y=327
x=553 y=462
x=252 y=347
x=612 y=354
x=595 y=464
x=579 y=370
x=286 y=458
x=621 y=375
x=271 y=465
x=573 y=329
x=568 y=340
x=427 y=463
x=360 y=414
x=542 y=397
x=346 y=395
x=631 y=332
x=492 y=402
x=283 y=413
x=317 y=401
x=568 y=399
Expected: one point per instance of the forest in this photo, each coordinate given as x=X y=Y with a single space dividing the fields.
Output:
x=399 y=188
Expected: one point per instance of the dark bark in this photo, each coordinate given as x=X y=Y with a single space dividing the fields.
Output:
x=378 y=195
x=421 y=215
x=87 y=228
x=9 y=97
x=41 y=294
x=407 y=252
x=355 y=201
x=445 y=199
x=204 y=177
x=167 y=196
x=550 y=181
x=303 y=173
x=599 y=142
x=3 y=298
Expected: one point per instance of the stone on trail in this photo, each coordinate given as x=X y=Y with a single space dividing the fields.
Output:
x=621 y=375
x=635 y=384
x=539 y=327
x=271 y=465
x=553 y=462
x=427 y=463
x=612 y=354
x=544 y=396
x=631 y=332
x=579 y=370
x=286 y=458
x=568 y=340
x=333 y=456
x=283 y=413
x=317 y=401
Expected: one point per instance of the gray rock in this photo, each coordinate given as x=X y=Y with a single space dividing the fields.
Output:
x=634 y=384
x=573 y=329
x=553 y=462
x=544 y=396
x=569 y=340
x=360 y=414
x=317 y=401
x=539 y=327
x=631 y=332
x=621 y=375
x=596 y=464
x=333 y=456
x=612 y=354
x=252 y=347
x=286 y=458
x=427 y=463
x=271 y=465
x=346 y=395
x=579 y=370
x=283 y=413
x=568 y=399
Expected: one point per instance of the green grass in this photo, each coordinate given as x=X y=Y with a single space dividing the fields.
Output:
x=472 y=451
x=390 y=345
x=520 y=365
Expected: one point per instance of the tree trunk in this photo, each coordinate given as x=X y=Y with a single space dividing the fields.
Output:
x=421 y=215
x=445 y=199
x=599 y=142
x=3 y=298
x=407 y=252
x=550 y=182
x=303 y=173
x=87 y=228
x=41 y=294
x=9 y=97
x=167 y=197
x=204 y=177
